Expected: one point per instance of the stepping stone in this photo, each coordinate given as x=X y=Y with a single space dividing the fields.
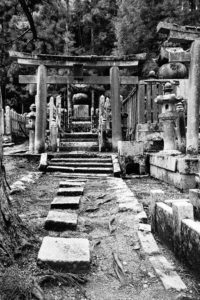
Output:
x=60 y=220
x=70 y=191
x=63 y=254
x=71 y=184
x=63 y=202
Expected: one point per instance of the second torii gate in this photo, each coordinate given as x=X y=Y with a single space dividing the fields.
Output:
x=42 y=62
x=188 y=35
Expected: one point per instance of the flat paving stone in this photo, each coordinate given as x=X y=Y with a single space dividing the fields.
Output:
x=65 y=254
x=64 y=202
x=71 y=183
x=70 y=191
x=148 y=243
x=167 y=274
x=132 y=206
x=59 y=220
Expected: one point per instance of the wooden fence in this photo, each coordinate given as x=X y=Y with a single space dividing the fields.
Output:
x=14 y=124
x=140 y=106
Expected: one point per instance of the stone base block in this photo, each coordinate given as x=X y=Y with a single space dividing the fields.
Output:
x=62 y=254
x=63 y=202
x=67 y=183
x=164 y=223
x=60 y=220
x=171 y=201
x=71 y=191
x=181 y=181
x=129 y=148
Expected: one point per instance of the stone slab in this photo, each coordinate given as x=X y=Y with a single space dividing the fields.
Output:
x=194 y=195
x=43 y=162
x=148 y=243
x=70 y=183
x=164 y=223
x=130 y=206
x=64 y=202
x=142 y=217
x=71 y=191
x=63 y=254
x=130 y=148
x=167 y=162
x=166 y=273
x=171 y=201
x=181 y=181
x=60 y=220
x=188 y=165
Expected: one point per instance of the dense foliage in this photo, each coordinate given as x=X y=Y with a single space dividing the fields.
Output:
x=78 y=27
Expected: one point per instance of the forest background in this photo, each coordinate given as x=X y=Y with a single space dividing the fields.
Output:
x=82 y=27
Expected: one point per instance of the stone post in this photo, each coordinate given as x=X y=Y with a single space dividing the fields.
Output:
x=92 y=108
x=31 y=126
x=193 y=102
x=53 y=135
x=8 y=124
x=51 y=111
x=116 y=107
x=69 y=107
x=181 y=210
x=41 y=110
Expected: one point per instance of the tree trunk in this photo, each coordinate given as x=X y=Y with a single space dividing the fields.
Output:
x=12 y=231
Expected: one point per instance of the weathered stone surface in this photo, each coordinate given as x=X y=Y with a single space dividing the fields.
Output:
x=64 y=202
x=71 y=183
x=171 y=201
x=63 y=254
x=190 y=237
x=116 y=166
x=194 y=195
x=132 y=206
x=142 y=217
x=144 y=227
x=59 y=220
x=130 y=148
x=71 y=191
x=167 y=162
x=181 y=210
x=188 y=165
x=182 y=181
x=165 y=271
x=164 y=223
x=155 y=197
x=148 y=243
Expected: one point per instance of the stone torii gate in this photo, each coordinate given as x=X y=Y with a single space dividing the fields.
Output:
x=42 y=62
x=188 y=35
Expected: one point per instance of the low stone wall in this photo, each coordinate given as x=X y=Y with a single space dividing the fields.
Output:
x=175 y=226
x=177 y=170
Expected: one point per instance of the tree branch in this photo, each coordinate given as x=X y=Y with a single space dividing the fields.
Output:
x=29 y=17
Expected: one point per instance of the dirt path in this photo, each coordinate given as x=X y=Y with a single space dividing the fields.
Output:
x=98 y=209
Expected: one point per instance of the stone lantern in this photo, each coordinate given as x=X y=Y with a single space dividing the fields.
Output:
x=168 y=116
x=31 y=126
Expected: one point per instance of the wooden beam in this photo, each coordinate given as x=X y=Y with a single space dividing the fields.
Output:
x=91 y=80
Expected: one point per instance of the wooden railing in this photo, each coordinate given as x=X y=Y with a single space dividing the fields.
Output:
x=14 y=124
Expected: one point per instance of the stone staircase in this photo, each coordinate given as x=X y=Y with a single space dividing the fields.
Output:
x=79 y=141
x=81 y=164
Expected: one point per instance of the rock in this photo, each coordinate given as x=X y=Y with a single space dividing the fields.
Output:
x=64 y=202
x=60 y=220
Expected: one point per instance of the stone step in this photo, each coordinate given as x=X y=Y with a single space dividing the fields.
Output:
x=63 y=202
x=81 y=164
x=70 y=183
x=80 y=135
x=80 y=140
x=80 y=154
x=81 y=175
x=60 y=220
x=70 y=191
x=79 y=170
x=83 y=160
x=63 y=254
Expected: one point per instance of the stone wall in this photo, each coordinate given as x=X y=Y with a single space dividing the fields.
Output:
x=175 y=226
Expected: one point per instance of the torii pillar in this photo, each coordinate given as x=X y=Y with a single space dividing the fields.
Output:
x=116 y=107
x=41 y=109
x=187 y=35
